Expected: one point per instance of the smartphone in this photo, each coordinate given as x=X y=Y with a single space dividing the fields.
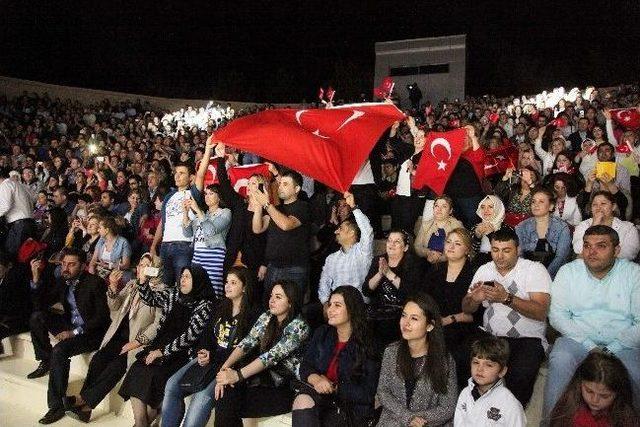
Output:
x=261 y=187
x=151 y=271
x=489 y=283
x=100 y=159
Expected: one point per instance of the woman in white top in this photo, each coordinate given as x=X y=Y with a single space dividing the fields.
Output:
x=557 y=145
x=603 y=206
x=565 y=189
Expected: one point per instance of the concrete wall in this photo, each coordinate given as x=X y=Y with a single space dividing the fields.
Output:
x=427 y=51
x=12 y=87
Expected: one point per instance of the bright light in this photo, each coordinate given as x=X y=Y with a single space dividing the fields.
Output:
x=92 y=148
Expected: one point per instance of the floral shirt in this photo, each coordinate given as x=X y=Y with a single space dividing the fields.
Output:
x=288 y=350
x=520 y=206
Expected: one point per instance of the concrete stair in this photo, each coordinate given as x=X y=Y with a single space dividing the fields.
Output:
x=23 y=401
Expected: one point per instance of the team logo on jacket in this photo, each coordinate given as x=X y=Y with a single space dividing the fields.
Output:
x=494 y=414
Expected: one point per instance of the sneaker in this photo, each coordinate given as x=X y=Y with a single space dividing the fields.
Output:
x=52 y=416
x=41 y=371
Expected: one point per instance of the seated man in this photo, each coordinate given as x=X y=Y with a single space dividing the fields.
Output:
x=78 y=330
x=596 y=307
x=350 y=264
x=515 y=294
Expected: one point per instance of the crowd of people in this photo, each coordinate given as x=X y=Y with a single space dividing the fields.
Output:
x=114 y=240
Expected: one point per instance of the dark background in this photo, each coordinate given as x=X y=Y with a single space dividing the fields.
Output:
x=281 y=51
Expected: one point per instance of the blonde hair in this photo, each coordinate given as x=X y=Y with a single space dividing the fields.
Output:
x=465 y=236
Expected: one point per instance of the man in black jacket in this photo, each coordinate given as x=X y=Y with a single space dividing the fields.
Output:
x=15 y=301
x=78 y=329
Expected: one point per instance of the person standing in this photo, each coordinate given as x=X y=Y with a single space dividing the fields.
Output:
x=287 y=227
x=16 y=206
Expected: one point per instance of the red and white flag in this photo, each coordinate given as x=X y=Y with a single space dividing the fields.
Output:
x=238 y=175
x=329 y=145
x=440 y=156
x=385 y=89
x=500 y=159
x=627 y=117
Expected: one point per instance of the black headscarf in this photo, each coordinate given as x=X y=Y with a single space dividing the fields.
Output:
x=201 y=287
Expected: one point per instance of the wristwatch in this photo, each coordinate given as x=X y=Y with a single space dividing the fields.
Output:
x=266 y=206
x=508 y=300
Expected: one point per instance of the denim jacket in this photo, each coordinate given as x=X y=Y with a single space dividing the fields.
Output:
x=121 y=248
x=558 y=236
x=214 y=227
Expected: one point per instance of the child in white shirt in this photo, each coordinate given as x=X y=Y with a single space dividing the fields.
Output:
x=486 y=401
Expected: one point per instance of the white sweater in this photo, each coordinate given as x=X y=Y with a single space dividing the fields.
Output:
x=497 y=407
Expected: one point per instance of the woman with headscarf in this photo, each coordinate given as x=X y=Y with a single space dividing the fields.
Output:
x=491 y=212
x=185 y=312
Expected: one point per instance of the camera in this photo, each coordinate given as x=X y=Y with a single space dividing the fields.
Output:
x=151 y=271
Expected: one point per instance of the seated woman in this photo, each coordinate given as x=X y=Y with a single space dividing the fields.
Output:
x=429 y=241
x=112 y=250
x=603 y=209
x=448 y=285
x=491 y=212
x=517 y=196
x=599 y=394
x=418 y=386
x=277 y=337
x=209 y=230
x=185 y=312
x=543 y=237
x=84 y=235
x=230 y=323
x=133 y=325
x=338 y=371
x=391 y=278
x=565 y=190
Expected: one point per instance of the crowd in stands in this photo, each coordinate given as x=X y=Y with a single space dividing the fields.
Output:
x=114 y=241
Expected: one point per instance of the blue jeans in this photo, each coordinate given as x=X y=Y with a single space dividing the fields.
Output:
x=175 y=256
x=173 y=406
x=565 y=357
x=297 y=273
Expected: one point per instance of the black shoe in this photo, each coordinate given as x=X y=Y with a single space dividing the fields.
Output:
x=77 y=413
x=41 y=370
x=69 y=402
x=52 y=416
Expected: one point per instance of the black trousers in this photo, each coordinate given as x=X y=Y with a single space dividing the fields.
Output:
x=58 y=356
x=526 y=357
x=18 y=232
x=107 y=367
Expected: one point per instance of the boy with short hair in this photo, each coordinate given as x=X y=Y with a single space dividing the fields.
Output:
x=486 y=401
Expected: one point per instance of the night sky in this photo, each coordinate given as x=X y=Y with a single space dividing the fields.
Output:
x=283 y=51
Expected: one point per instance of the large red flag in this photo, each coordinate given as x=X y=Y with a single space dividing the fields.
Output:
x=627 y=117
x=329 y=145
x=440 y=155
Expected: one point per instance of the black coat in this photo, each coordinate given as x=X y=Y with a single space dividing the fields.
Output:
x=91 y=298
x=357 y=391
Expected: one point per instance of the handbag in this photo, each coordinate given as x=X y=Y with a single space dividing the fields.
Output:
x=197 y=377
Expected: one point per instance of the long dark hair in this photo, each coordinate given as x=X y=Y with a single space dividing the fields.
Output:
x=274 y=329
x=360 y=335
x=436 y=367
x=225 y=307
x=603 y=369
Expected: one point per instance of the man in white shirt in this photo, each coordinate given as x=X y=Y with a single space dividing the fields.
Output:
x=16 y=206
x=176 y=250
x=515 y=294
x=350 y=264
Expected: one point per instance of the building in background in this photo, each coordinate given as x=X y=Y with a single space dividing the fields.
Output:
x=436 y=64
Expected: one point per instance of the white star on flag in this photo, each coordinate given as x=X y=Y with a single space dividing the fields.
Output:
x=442 y=165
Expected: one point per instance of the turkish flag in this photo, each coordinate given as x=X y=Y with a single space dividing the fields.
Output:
x=238 y=175
x=329 y=145
x=330 y=94
x=500 y=159
x=627 y=117
x=624 y=148
x=385 y=89
x=559 y=122
x=440 y=155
